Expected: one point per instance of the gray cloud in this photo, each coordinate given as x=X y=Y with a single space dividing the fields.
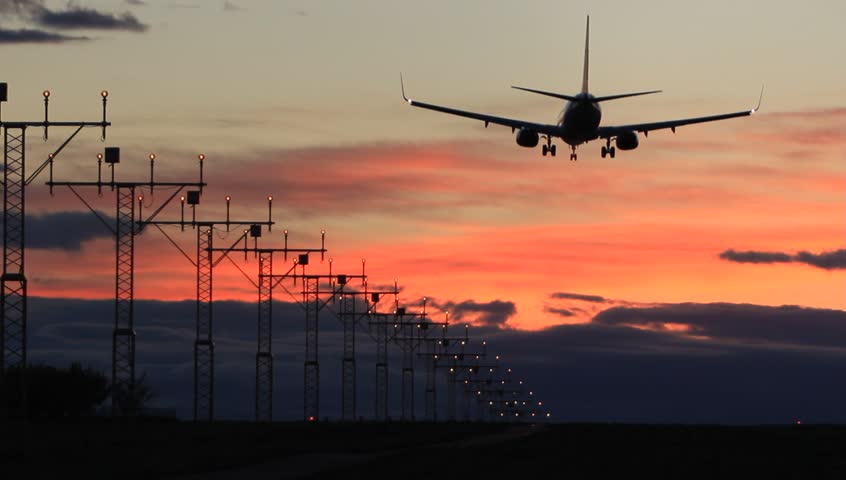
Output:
x=486 y=314
x=137 y=3
x=73 y=17
x=830 y=260
x=28 y=35
x=835 y=259
x=577 y=296
x=751 y=256
x=87 y=18
x=752 y=324
x=64 y=230
x=563 y=312
x=609 y=370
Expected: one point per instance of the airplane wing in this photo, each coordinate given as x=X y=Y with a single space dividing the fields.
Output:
x=612 y=131
x=544 y=129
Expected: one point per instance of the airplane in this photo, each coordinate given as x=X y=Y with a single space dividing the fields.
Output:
x=578 y=122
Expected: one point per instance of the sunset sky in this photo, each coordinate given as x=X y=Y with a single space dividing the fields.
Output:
x=301 y=100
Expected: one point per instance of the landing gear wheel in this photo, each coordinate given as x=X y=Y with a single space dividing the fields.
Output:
x=544 y=150
x=552 y=150
x=604 y=151
x=573 y=156
x=612 y=151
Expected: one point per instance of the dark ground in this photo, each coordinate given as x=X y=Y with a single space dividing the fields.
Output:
x=166 y=449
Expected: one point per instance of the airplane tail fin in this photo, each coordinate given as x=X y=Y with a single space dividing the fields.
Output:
x=587 y=55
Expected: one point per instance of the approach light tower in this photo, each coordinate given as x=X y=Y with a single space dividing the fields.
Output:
x=267 y=280
x=127 y=226
x=13 y=327
x=205 y=262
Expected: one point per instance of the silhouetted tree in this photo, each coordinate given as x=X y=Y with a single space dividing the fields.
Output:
x=132 y=402
x=54 y=392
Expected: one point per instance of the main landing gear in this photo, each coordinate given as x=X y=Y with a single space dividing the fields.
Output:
x=608 y=149
x=548 y=148
x=573 y=153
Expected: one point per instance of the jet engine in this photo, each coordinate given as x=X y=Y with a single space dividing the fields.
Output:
x=527 y=138
x=627 y=140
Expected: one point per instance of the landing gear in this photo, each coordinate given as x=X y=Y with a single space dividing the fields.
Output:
x=548 y=148
x=573 y=153
x=608 y=150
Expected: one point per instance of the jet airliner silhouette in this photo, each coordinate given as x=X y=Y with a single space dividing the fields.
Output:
x=579 y=121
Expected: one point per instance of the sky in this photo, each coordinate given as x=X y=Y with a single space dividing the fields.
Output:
x=301 y=100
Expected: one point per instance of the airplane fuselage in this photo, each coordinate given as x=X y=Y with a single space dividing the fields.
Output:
x=580 y=119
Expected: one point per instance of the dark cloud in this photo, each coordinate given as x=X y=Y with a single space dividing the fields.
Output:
x=73 y=17
x=577 y=296
x=830 y=260
x=752 y=324
x=611 y=373
x=487 y=314
x=563 y=312
x=65 y=230
x=27 y=35
x=750 y=256
x=90 y=19
x=610 y=370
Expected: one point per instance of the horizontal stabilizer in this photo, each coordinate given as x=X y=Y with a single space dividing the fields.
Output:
x=623 y=95
x=549 y=94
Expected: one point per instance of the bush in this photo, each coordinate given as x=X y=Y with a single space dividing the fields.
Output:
x=53 y=392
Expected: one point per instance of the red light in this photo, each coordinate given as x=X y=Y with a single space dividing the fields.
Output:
x=311 y=418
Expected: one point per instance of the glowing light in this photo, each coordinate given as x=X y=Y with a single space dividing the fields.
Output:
x=104 y=93
x=99 y=156
x=182 y=198
x=152 y=156
x=228 y=198
x=46 y=93
x=140 y=197
x=270 y=198
x=51 y=155
x=311 y=418
x=201 y=157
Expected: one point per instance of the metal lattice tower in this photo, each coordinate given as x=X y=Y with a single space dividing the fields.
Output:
x=123 y=335
x=407 y=384
x=264 y=354
x=13 y=326
x=381 y=370
x=348 y=363
x=13 y=299
x=203 y=342
x=430 y=397
x=267 y=281
x=128 y=223
x=452 y=378
x=205 y=263
x=311 y=372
